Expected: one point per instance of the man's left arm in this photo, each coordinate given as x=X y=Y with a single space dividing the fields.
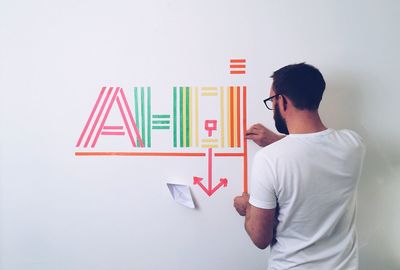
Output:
x=259 y=223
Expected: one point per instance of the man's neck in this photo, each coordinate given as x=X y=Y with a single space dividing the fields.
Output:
x=305 y=122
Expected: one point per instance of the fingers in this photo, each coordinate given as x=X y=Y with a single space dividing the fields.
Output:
x=261 y=135
x=255 y=129
x=258 y=126
x=240 y=204
x=257 y=138
x=252 y=136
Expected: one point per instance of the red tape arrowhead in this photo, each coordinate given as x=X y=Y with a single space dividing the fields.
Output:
x=224 y=181
x=197 y=180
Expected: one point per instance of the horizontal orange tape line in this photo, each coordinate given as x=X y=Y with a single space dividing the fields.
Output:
x=238 y=60
x=228 y=154
x=238 y=71
x=149 y=154
x=237 y=66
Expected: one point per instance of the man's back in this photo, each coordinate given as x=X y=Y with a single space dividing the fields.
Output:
x=313 y=179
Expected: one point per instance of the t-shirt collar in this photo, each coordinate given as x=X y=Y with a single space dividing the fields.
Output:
x=319 y=133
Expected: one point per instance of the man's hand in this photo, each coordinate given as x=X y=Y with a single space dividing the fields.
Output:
x=240 y=203
x=262 y=135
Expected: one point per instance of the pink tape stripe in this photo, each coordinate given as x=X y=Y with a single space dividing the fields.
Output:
x=131 y=118
x=90 y=117
x=112 y=133
x=126 y=122
x=98 y=117
x=105 y=117
x=209 y=168
x=205 y=189
x=216 y=187
x=113 y=127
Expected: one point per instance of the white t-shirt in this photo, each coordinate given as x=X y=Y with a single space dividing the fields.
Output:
x=313 y=177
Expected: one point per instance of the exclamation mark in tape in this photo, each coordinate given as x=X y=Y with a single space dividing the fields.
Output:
x=237 y=66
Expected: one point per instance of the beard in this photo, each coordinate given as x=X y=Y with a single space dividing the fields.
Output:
x=280 y=123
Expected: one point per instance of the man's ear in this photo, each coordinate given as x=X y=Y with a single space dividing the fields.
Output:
x=283 y=102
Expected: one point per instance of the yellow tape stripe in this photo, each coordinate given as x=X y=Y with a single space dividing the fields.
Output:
x=205 y=88
x=209 y=145
x=197 y=115
x=209 y=140
x=209 y=94
x=222 y=124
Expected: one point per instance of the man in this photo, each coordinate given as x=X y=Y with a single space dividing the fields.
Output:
x=303 y=186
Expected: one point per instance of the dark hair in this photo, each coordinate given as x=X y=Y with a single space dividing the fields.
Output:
x=303 y=84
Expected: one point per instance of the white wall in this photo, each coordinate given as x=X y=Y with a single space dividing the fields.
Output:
x=59 y=211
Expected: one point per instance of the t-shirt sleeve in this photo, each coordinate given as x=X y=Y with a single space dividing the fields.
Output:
x=262 y=190
x=357 y=140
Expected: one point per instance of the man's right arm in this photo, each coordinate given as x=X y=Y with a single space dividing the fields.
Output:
x=262 y=135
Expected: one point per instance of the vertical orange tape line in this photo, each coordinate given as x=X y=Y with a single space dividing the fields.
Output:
x=234 y=142
x=238 y=116
x=245 y=182
x=231 y=116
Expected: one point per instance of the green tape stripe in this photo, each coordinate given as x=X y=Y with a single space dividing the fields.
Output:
x=161 y=116
x=148 y=117
x=187 y=117
x=181 y=115
x=137 y=115
x=174 y=116
x=142 y=114
x=160 y=122
x=160 y=127
x=184 y=117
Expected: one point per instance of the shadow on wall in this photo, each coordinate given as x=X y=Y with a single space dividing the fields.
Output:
x=345 y=105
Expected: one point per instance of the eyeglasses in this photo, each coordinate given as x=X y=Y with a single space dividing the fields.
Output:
x=268 y=102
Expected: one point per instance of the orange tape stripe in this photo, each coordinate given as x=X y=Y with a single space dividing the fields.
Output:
x=231 y=118
x=238 y=72
x=238 y=60
x=238 y=116
x=228 y=154
x=149 y=154
x=237 y=66
x=245 y=180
